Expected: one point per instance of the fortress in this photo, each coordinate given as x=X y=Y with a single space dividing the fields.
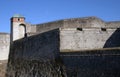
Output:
x=76 y=47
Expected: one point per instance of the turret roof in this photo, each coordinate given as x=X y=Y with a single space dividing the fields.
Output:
x=18 y=15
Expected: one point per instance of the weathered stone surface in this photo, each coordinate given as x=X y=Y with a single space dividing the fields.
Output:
x=35 y=68
x=92 y=63
x=4 y=46
x=39 y=53
x=88 y=38
x=36 y=56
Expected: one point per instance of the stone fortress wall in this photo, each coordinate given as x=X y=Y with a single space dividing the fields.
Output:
x=84 y=33
x=4 y=45
x=55 y=49
x=80 y=33
x=4 y=52
x=75 y=34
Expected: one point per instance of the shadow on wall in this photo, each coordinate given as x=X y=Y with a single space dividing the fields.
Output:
x=114 y=40
x=99 y=63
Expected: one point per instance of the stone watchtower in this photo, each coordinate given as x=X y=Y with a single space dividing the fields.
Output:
x=17 y=27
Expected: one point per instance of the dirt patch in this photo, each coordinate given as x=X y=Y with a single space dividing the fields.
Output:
x=3 y=65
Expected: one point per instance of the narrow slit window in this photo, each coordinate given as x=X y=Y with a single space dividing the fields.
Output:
x=80 y=29
x=103 y=29
x=118 y=28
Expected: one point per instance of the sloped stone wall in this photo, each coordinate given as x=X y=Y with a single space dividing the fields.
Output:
x=36 y=56
x=94 y=63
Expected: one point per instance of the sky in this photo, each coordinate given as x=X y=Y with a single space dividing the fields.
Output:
x=41 y=11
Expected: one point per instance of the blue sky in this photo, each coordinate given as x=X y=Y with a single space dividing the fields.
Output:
x=41 y=11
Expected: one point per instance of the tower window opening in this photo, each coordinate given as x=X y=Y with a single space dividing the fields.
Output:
x=18 y=19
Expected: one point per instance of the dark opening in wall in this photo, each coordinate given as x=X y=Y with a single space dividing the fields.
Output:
x=80 y=29
x=18 y=19
x=118 y=28
x=103 y=29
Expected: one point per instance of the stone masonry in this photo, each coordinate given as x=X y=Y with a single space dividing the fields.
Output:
x=4 y=45
x=75 y=34
x=64 y=48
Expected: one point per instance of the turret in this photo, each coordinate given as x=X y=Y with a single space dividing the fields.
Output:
x=17 y=27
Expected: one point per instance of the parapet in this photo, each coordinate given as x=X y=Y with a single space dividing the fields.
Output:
x=85 y=22
x=113 y=24
x=2 y=33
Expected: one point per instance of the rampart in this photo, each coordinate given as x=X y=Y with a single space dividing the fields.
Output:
x=92 y=63
x=67 y=48
x=84 y=33
x=35 y=56
x=85 y=22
